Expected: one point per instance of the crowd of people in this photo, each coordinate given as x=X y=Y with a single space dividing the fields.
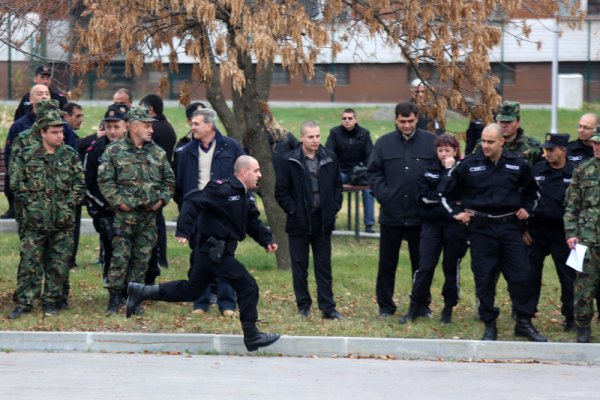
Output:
x=512 y=201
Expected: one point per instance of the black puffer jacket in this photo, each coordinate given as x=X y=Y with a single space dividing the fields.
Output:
x=350 y=147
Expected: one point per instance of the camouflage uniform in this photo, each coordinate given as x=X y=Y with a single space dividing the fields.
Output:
x=139 y=178
x=47 y=186
x=524 y=145
x=582 y=220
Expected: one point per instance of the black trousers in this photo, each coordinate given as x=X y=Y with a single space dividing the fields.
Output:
x=389 y=252
x=498 y=247
x=452 y=239
x=105 y=247
x=299 y=250
x=203 y=271
x=549 y=239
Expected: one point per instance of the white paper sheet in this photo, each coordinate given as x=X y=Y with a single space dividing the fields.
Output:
x=576 y=257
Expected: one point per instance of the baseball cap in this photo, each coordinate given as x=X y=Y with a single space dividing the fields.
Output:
x=556 y=140
x=139 y=114
x=116 y=112
x=43 y=70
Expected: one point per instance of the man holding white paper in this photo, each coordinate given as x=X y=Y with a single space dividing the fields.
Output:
x=582 y=226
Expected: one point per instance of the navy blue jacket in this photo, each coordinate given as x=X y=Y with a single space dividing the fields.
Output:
x=429 y=194
x=578 y=152
x=294 y=195
x=227 y=150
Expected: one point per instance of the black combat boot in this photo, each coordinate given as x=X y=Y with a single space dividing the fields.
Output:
x=490 y=332
x=446 y=317
x=253 y=338
x=583 y=334
x=136 y=293
x=525 y=328
x=114 y=302
x=18 y=312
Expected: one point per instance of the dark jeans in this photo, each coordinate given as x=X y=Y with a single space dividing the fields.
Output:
x=299 y=250
x=452 y=239
x=549 y=239
x=203 y=271
x=495 y=248
x=389 y=251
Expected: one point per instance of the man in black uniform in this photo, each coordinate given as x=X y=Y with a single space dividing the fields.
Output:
x=43 y=76
x=220 y=215
x=98 y=208
x=581 y=149
x=546 y=230
x=497 y=191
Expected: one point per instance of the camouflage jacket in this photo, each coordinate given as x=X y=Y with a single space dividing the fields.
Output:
x=136 y=177
x=47 y=187
x=582 y=213
x=28 y=138
x=526 y=146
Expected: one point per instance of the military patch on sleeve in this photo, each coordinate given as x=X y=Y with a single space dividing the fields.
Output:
x=513 y=167
x=218 y=182
x=233 y=198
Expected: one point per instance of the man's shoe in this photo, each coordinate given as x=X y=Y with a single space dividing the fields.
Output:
x=139 y=311
x=49 y=310
x=254 y=339
x=568 y=325
x=383 y=315
x=490 y=332
x=584 y=334
x=332 y=315
x=446 y=317
x=199 y=311
x=114 y=302
x=525 y=328
x=304 y=312
x=18 y=312
x=408 y=317
x=369 y=229
x=136 y=293
x=10 y=214
x=63 y=304
x=228 y=313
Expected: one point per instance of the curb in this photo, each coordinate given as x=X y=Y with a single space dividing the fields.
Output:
x=302 y=346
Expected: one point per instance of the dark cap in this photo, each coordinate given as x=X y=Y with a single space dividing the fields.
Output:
x=140 y=114
x=116 y=112
x=509 y=111
x=596 y=137
x=190 y=109
x=556 y=140
x=43 y=70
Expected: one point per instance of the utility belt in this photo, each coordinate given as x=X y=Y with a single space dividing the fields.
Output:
x=481 y=219
x=218 y=248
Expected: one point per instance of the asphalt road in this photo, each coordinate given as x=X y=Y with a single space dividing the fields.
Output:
x=63 y=376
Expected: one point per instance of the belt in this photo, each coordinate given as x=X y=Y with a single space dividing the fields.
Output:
x=495 y=219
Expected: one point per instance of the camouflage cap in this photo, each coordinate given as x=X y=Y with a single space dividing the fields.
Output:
x=51 y=118
x=43 y=107
x=509 y=111
x=596 y=137
x=139 y=114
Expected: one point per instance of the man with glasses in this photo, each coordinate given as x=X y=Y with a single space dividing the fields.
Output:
x=352 y=146
x=581 y=149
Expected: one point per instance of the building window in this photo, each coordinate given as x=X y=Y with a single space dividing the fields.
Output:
x=281 y=76
x=505 y=72
x=341 y=72
x=115 y=73
x=590 y=71
x=593 y=7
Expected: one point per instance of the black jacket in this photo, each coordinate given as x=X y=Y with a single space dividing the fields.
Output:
x=223 y=210
x=394 y=170
x=164 y=135
x=429 y=194
x=294 y=194
x=553 y=185
x=95 y=201
x=495 y=189
x=350 y=147
x=578 y=152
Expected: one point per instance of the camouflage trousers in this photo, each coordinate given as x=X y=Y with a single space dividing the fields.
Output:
x=586 y=285
x=134 y=236
x=44 y=259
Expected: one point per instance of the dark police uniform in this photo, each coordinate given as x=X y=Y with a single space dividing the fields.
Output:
x=577 y=152
x=439 y=232
x=225 y=212
x=547 y=231
x=495 y=192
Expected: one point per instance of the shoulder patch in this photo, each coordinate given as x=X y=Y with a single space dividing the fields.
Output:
x=233 y=198
x=477 y=168
x=513 y=167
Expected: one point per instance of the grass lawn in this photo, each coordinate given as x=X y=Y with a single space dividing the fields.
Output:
x=354 y=268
